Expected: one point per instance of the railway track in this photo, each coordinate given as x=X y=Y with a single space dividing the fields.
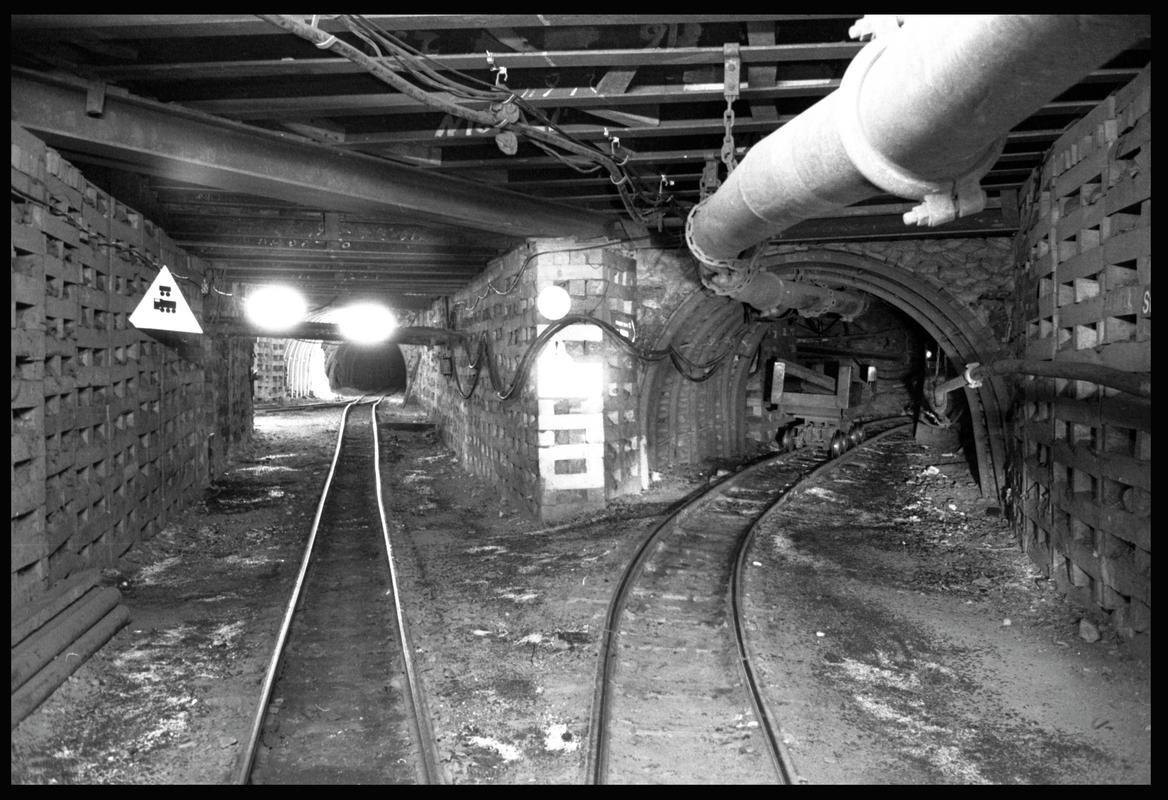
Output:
x=340 y=702
x=676 y=697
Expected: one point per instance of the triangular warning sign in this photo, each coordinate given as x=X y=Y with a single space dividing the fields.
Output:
x=164 y=308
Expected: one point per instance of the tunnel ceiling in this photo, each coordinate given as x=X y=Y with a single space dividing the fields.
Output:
x=276 y=159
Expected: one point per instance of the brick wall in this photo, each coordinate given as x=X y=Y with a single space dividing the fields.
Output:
x=112 y=432
x=564 y=443
x=493 y=439
x=624 y=452
x=271 y=370
x=1083 y=462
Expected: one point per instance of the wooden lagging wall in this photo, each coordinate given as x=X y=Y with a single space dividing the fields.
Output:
x=104 y=419
x=1082 y=477
x=112 y=432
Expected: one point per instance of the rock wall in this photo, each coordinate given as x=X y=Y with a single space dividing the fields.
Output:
x=979 y=273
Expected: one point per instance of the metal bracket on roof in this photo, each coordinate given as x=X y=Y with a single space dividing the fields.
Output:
x=732 y=70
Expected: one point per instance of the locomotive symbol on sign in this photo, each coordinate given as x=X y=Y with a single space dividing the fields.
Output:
x=165 y=306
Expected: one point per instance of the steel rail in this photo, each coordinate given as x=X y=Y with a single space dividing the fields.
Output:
x=768 y=720
x=419 y=716
x=596 y=764
x=428 y=769
x=249 y=753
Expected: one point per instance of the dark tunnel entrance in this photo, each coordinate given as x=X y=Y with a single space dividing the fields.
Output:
x=734 y=412
x=365 y=369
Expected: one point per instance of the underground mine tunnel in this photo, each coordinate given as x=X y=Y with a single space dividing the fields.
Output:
x=522 y=289
x=378 y=369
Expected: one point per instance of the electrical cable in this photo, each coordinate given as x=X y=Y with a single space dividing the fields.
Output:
x=514 y=282
x=416 y=65
x=404 y=53
x=689 y=369
x=136 y=253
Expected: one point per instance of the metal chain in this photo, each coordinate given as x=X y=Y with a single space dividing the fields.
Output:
x=728 y=157
x=732 y=67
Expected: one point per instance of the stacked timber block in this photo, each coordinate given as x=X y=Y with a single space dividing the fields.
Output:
x=110 y=428
x=1082 y=477
x=56 y=634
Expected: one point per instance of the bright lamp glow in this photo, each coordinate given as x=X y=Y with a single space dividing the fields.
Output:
x=560 y=375
x=366 y=323
x=275 y=308
x=553 y=302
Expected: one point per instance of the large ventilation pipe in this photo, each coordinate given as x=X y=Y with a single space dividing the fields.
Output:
x=922 y=112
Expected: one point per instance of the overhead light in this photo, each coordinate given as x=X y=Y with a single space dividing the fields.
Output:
x=553 y=302
x=365 y=323
x=275 y=308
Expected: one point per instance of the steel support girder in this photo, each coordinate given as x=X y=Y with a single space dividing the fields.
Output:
x=195 y=147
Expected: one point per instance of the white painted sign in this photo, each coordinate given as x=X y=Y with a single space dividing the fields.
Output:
x=164 y=308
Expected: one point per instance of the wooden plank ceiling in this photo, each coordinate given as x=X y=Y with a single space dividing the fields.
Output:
x=643 y=89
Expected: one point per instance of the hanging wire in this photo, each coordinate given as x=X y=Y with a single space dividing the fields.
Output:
x=513 y=282
x=133 y=252
x=689 y=369
x=639 y=203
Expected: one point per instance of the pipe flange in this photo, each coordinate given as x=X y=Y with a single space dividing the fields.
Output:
x=717 y=263
x=874 y=165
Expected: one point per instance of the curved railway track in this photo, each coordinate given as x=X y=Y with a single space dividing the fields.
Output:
x=676 y=697
x=340 y=702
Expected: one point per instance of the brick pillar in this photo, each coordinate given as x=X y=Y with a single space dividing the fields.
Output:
x=571 y=425
x=570 y=390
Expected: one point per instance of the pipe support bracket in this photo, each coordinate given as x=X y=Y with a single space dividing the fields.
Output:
x=944 y=200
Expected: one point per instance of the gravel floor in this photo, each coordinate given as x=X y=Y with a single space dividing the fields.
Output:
x=907 y=639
